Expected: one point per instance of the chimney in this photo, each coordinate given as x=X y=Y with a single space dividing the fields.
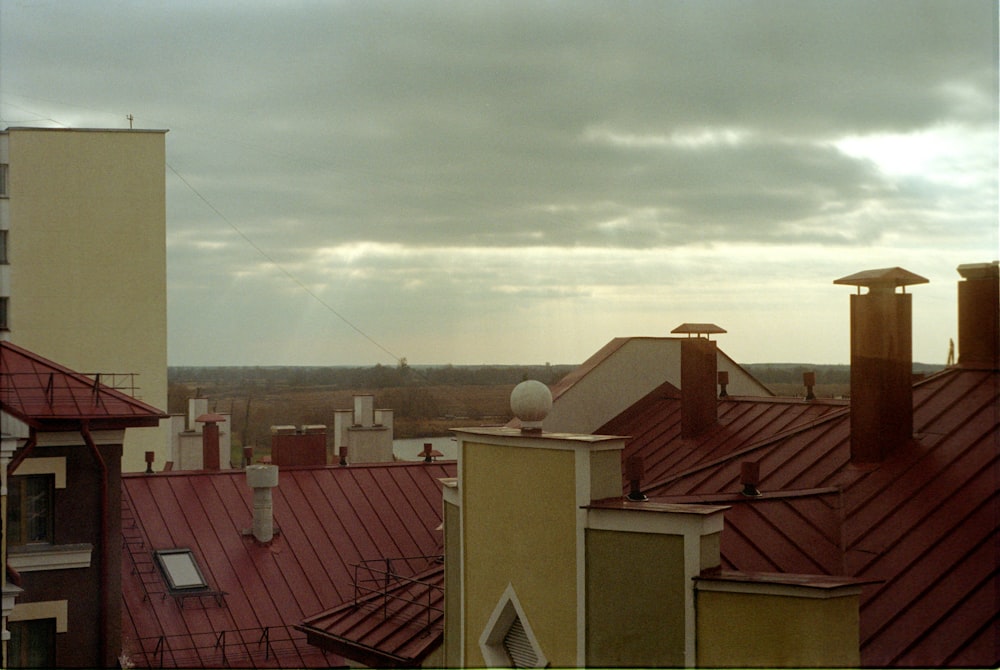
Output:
x=262 y=478
x=699 y=368
x=364 y=411
x=979 y=316
x=210 y=440
x=881 y=362
x=809 y=381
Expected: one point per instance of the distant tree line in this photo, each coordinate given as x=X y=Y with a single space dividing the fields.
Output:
x=268 y=378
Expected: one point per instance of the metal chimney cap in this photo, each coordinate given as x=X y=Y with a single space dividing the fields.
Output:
x=979 y=270
x=698 y=329
x=882 y=278
x=210 y=418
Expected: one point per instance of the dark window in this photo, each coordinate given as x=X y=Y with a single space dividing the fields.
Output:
x=3 y=180
x=4 y=313
x=3 y=247
x=32 y=644
x=29 y=509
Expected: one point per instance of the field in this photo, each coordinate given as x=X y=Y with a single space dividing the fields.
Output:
x=425 y=402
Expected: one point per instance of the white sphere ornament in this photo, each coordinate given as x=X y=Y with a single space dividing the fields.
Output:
x=531 y=401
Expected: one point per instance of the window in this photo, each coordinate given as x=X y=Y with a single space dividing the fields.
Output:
x=508 y=641
x=30 y=501
x=3 y=247
x=180 y=569
x=3 y=180
x=4 y=313
x=32 y=644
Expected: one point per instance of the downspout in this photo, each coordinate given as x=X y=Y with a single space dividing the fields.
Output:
x=85 y=431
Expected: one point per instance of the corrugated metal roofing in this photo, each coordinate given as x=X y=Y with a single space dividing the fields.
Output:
x=396 y=626
x=328 y=517
x=40 y=392
x=923 y=522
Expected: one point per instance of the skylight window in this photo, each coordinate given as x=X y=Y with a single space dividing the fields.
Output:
x=180 y=569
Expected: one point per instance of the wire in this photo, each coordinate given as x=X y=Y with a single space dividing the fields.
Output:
x=270 y=259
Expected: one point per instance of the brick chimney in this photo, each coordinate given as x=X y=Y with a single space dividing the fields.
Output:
x=699 y=376
x=210 y=440
x=881 y=362
x=979 y=316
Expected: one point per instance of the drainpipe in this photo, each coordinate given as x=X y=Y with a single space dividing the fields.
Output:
x=103 y=604
x=15 y=462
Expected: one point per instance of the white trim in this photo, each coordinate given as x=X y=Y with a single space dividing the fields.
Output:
x=512 y=437
x=778 y=589
x=48 y=465
x=46 y=609
x=491 y=641
x=50 y=557
x=583 y=482
x=677 y=520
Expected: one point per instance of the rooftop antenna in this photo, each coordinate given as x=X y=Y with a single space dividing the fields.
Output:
x=130 y=119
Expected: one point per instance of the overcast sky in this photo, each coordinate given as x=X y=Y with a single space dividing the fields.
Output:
x=519 y=182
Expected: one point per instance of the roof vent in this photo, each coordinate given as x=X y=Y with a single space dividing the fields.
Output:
x=430 y=453
x=634 y=472
x=750 y=479
x=530 y=401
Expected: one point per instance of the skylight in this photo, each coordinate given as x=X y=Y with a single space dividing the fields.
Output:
x=180 y=569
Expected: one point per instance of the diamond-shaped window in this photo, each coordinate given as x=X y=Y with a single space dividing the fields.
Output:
x=508 y=641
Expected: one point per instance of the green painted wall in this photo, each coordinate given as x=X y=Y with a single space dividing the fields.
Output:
x=635 y=599
x=751 y=630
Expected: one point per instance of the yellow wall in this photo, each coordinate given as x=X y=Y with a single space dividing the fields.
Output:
x=628 y=574
x=87 y=252
x=523 y=534
x=754 y=630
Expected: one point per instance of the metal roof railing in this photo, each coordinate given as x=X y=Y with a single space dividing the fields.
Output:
x=378 y=581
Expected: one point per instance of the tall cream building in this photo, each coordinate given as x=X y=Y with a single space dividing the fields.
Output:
x=83 y=259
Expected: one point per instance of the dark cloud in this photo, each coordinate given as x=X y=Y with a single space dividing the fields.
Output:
x=521 y=126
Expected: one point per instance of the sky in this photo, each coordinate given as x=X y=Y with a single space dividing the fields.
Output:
x=353 y=183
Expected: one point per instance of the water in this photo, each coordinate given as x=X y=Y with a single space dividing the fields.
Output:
x=409 y=449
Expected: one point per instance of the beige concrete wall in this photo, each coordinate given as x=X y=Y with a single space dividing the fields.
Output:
x=88 y=259
x=635 y=599
x=762 y=630
x=519 y=528
x=640 y=365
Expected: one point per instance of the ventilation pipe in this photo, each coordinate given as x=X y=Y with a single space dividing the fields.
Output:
x=262 y=478
x=979 y=316
x=881 y=362
x=699 y=374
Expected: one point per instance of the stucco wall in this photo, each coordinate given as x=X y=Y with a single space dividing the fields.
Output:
x=635 y=599
x=522 y=534
x=758 y=630
x=87 y=252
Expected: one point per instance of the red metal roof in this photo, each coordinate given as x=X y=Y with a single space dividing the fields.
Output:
x=386 y=626
x=922 y=523
x=328 y=517
x=42 y=393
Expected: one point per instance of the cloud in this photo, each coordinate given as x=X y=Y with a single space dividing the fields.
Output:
x=416 y=154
